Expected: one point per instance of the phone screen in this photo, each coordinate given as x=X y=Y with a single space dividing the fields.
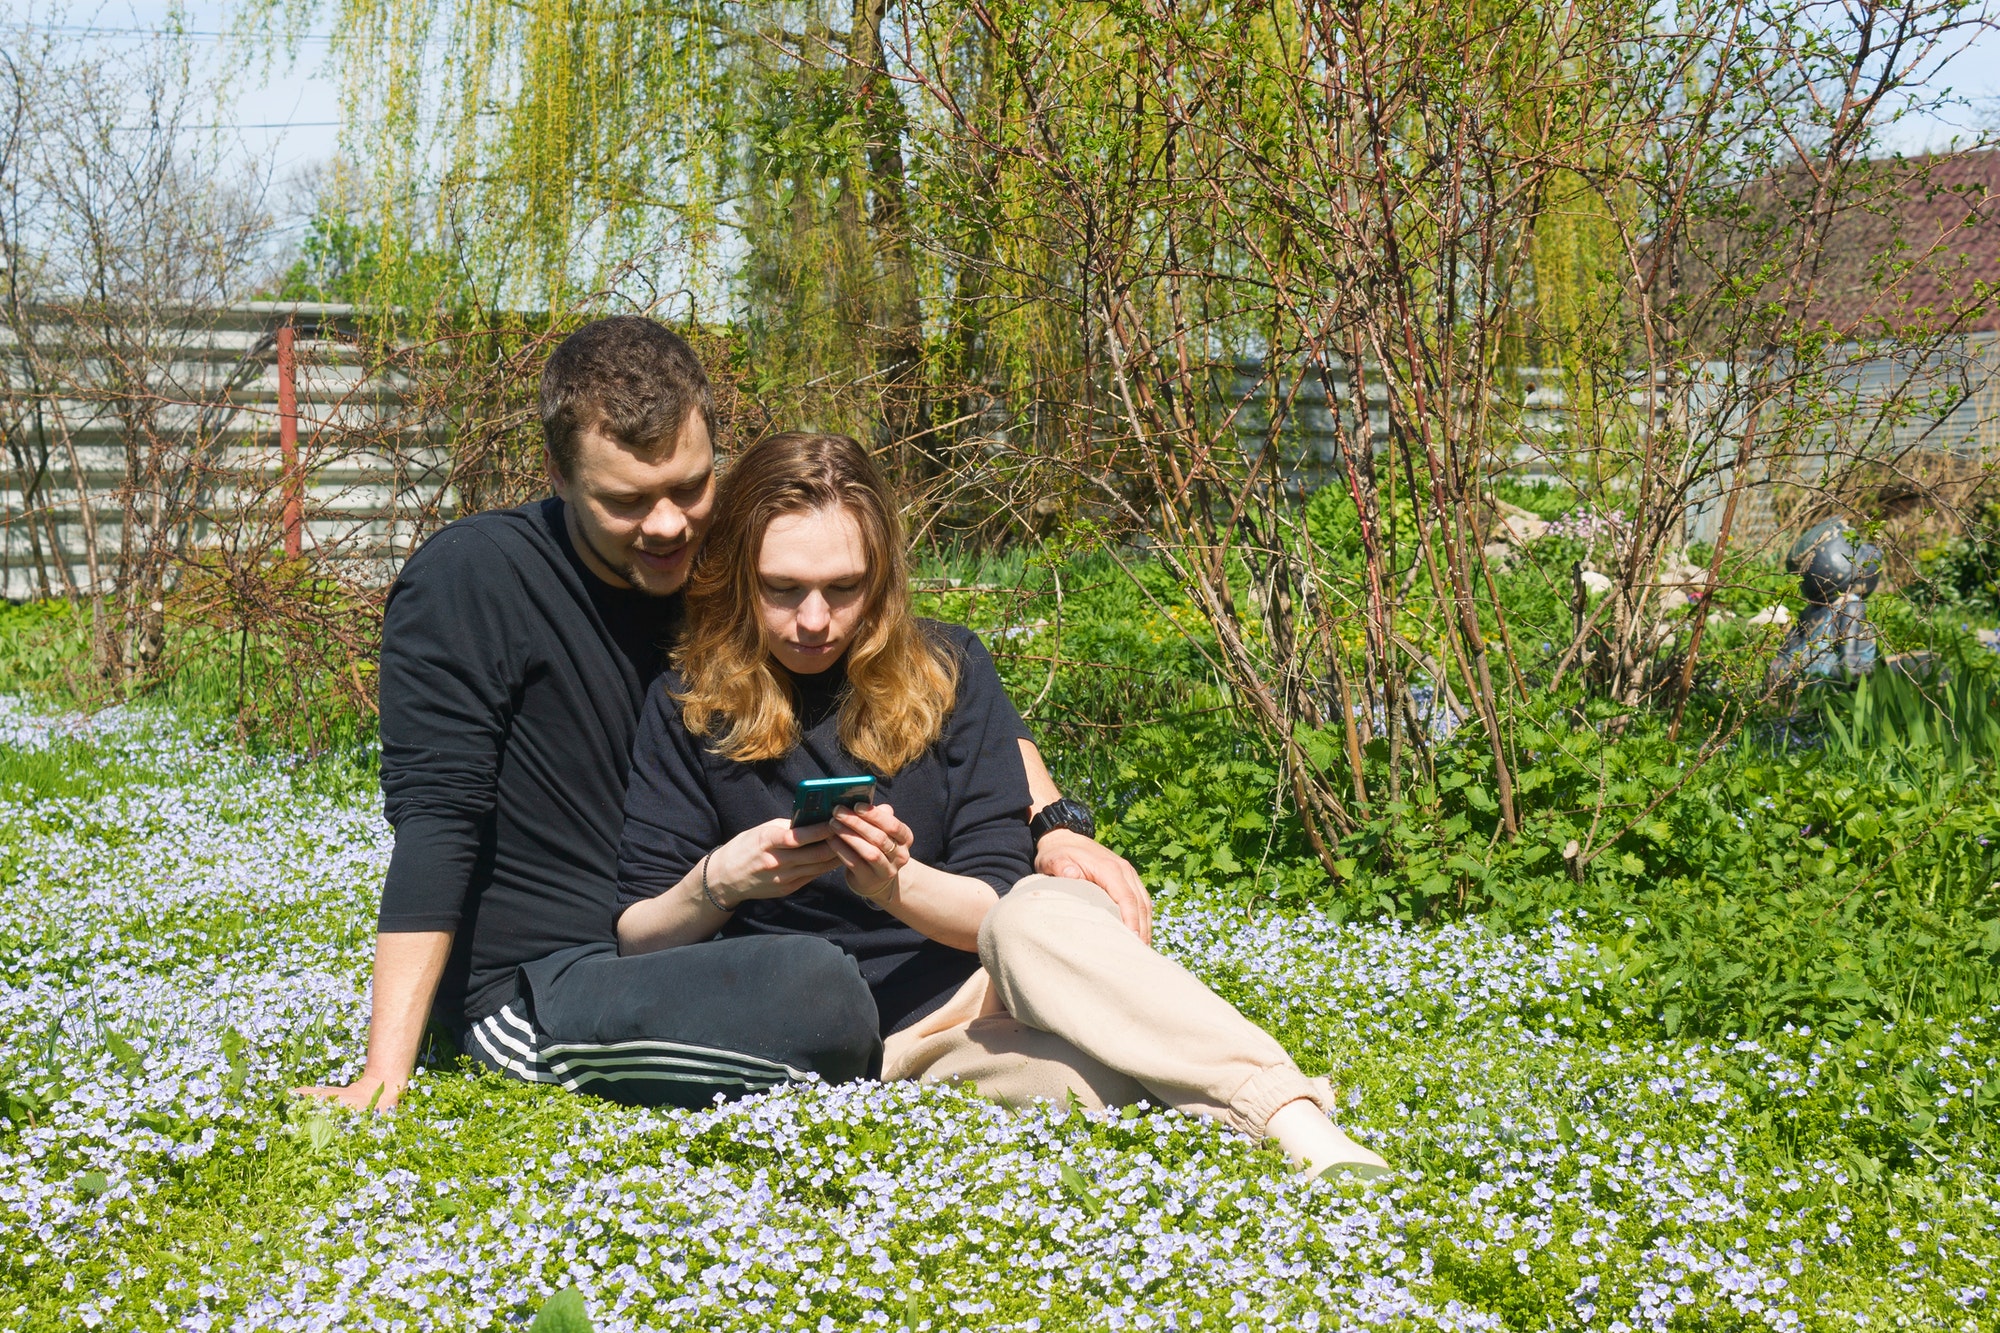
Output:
x=813 y=799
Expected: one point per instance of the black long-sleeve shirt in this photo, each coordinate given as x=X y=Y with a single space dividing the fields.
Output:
x=965 y=800
x=511 y=684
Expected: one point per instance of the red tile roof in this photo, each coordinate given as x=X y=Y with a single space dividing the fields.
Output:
x=1939 y=218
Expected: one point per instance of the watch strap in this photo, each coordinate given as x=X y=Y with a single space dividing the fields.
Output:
x=1065 y=813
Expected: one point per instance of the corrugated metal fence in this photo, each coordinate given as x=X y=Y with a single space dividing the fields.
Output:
x=1945 y=407
x=180 y=425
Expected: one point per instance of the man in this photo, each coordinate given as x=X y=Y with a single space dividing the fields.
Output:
x=517 y=650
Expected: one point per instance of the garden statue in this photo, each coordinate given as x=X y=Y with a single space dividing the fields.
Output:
x=1833 y=639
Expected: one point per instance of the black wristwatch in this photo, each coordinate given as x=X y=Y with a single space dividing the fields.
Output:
x=1064 y=813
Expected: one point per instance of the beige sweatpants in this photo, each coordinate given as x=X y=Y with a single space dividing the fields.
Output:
x=1070 y=1001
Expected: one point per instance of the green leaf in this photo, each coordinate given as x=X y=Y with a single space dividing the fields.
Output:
x=563 y=1312
x=1079 y=1189
x=93 y=1184
x=1481 y=800
x=236 y=1054
x=320 y=1133
x=20 y=1106
x=125 y=1053
x=158 y=1121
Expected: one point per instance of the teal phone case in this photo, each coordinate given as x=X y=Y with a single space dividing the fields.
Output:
x=813 y=799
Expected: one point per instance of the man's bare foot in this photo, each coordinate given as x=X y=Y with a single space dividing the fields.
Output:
x=1317 y=1145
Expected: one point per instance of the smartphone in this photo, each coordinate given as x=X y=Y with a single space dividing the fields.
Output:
x=813 y=799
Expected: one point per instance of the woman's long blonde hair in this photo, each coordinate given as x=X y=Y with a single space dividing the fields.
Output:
x=900 y=681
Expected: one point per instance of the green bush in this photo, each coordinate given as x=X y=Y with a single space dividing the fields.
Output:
x=244 y=682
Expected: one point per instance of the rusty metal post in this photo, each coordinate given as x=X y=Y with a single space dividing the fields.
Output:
x=288 y=440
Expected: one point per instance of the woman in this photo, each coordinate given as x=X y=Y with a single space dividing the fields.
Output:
x=801 y=659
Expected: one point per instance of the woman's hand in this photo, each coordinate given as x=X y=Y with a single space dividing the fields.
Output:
x=771 y=860
x=874 y=846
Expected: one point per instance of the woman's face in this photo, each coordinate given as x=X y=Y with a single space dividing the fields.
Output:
x=812 y=579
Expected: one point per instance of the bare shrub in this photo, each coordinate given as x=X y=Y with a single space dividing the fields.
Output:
x=125 y=228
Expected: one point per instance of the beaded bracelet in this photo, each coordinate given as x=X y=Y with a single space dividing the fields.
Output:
x=709 y=893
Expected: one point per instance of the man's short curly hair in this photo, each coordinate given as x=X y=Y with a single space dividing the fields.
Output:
x=627 y=377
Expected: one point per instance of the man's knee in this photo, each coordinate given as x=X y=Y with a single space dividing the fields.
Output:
x=1008 y=1061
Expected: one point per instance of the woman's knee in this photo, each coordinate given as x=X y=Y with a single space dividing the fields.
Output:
x=819 y=986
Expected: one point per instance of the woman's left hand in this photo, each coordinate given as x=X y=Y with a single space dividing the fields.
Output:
x=873 y=846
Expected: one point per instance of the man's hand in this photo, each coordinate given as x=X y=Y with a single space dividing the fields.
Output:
x=407 y=967
x=370 y=1092
x=1067 y=854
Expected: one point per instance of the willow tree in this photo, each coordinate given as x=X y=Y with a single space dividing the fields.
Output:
x=710 y=161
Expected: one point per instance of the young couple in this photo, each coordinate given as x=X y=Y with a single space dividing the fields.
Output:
x=597 y=881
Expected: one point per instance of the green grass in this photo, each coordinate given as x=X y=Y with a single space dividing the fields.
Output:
x=64 y=768
x=198 y=946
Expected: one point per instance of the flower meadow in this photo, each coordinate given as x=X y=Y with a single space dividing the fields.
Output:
x=185 y=935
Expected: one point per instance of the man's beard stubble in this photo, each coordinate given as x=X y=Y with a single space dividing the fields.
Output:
x=625 y=563
x=652 y=582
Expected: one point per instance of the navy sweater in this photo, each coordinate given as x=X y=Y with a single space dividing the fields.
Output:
x=965 y=800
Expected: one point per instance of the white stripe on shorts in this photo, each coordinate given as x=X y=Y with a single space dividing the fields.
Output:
x=513 y=1044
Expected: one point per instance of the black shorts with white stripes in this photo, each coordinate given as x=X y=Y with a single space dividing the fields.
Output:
x=682 y=1026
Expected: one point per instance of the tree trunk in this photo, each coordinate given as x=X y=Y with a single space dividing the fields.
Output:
x=895 y=316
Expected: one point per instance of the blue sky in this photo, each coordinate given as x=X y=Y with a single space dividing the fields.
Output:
x=1972 y=73
x=289 y=109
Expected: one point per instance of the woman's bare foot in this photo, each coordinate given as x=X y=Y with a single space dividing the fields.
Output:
x=1317 y=1145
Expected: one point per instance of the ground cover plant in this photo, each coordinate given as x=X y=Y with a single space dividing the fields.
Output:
x=183 y=937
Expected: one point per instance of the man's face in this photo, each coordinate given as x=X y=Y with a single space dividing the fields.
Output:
x=637 y=518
